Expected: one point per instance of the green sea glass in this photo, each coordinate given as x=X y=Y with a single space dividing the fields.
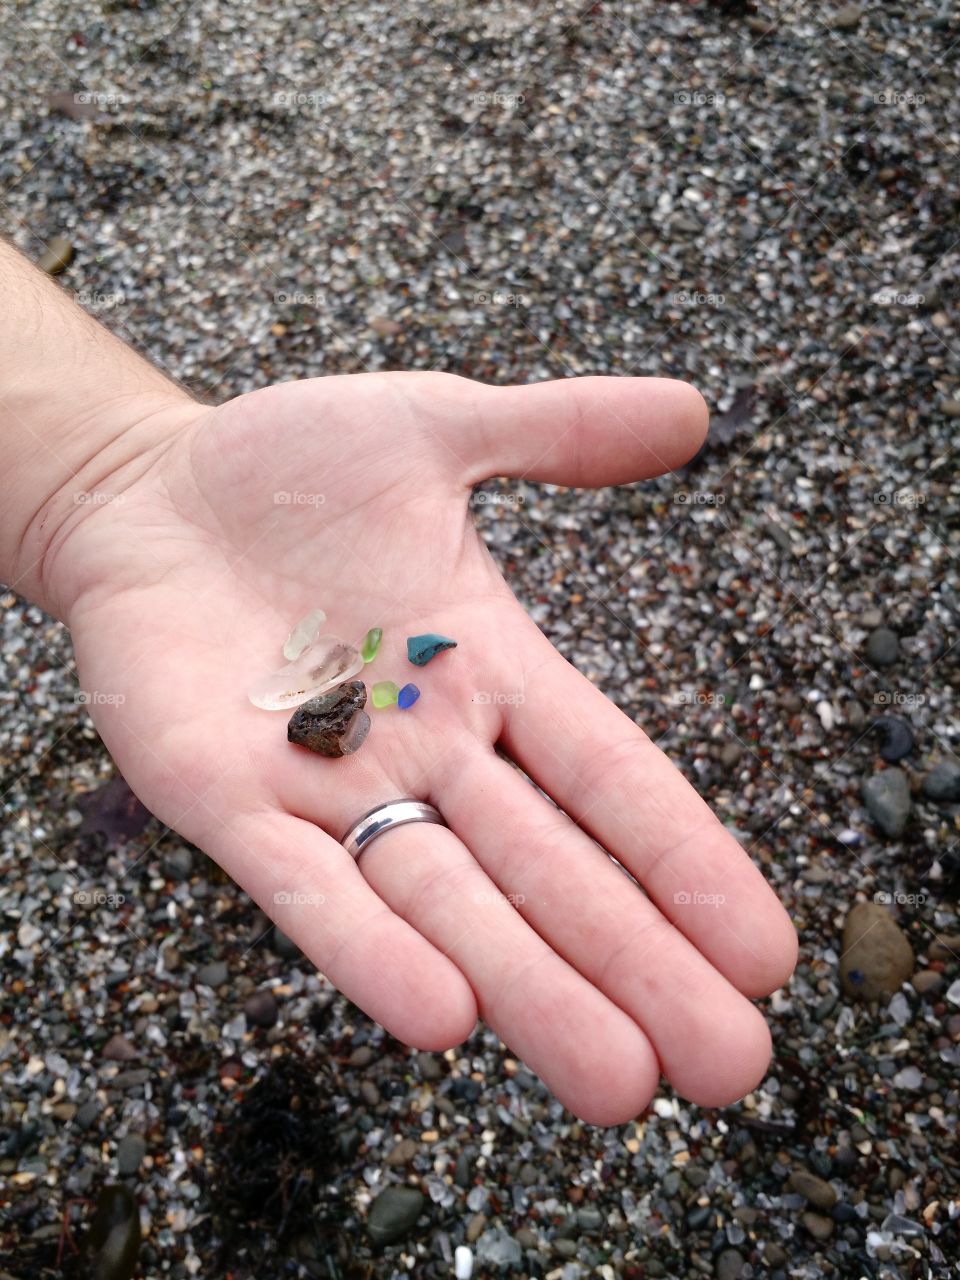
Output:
x=384 y=694
x=371 y=644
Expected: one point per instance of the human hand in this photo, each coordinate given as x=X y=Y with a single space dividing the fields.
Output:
x=180 y=582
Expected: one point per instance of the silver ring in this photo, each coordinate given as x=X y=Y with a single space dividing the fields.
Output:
x=396 y=813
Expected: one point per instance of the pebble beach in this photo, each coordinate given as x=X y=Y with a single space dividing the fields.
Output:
x=759 y=197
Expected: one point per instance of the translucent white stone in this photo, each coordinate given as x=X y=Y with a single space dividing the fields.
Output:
x=304 y=634
x=326 y=663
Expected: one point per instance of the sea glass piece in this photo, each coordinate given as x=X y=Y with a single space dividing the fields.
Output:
x=304 y=634
x=384 y=693
x=407 y=696
x=371 y=644
x=335 y=724
x=328 y=662
x=420 y=649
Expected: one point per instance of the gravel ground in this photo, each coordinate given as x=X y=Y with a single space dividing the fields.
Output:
x=762 y=197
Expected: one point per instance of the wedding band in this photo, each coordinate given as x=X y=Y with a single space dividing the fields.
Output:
x=396 y=813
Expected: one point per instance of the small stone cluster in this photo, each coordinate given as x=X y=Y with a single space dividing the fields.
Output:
x=318 y=681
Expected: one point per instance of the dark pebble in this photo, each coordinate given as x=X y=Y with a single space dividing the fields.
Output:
x=261 y=1009
x=897 y=738
x=942 y=783
x=394 y=1213
x=699 y=1217
x=130 y=1152
x=113 y=1242
x=213 y=974
x=883 y=647
x=730 y=1265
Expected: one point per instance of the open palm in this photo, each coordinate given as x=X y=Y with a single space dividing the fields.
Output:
x=351 y=494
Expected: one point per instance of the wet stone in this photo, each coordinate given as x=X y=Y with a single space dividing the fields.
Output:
x=113 y=1242
x=260 y=1008
x=814 y=1190
x=213 y=974
x=877 y=957
x=896 y=738
x=942 y=783
x=130 y=1152
x=887 y=798
x=883 y=647
x=394 y=1213
x=334 y=724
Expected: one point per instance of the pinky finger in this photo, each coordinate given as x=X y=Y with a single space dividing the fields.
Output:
x=311 y=886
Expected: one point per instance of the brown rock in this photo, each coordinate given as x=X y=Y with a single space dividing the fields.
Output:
x=404 y=1151
x=820 y=1228
x=927 y=981
x=57 y=255
x=813 y=1189
x=877 y=957
x=119 y=1049
x=385 y=327
x=260 y=1008
x=334 y=724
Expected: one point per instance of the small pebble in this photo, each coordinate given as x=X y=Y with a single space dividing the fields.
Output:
x=260 y=1008
x=883 y=647
x=942 y=783
x=130 y=1152
x=887 y=798
x=56 y=256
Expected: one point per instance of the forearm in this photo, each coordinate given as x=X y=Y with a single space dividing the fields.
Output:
x=79 y=411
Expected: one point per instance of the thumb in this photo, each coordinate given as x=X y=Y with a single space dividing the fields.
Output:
x=581 y=431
